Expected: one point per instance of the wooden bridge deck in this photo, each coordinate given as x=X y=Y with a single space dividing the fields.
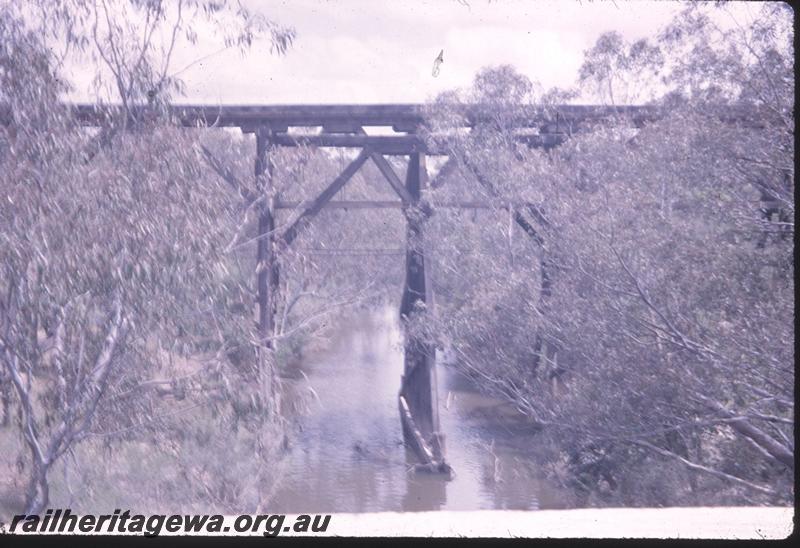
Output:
x=403 y=117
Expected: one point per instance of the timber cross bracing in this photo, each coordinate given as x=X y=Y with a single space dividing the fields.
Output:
x=343 y=126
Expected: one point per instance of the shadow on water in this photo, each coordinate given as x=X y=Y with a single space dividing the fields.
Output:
x=347 y=452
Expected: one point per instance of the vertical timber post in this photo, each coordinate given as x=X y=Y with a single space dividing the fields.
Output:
x=266 y=265
x=418 y=399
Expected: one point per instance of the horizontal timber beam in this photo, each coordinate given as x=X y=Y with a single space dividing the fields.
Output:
x=382 y=144
x=395 y=144
x=404 y=117
x=386 y=204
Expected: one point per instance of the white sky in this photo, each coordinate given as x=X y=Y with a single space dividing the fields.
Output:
x=382 y=51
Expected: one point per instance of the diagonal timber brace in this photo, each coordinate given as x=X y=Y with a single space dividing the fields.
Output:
x=389 y=174
x=325 y=196
x=394 y=181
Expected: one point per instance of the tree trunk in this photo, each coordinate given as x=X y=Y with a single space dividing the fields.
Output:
x=38 y=494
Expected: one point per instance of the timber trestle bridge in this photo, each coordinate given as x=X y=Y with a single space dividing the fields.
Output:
x=343 y=126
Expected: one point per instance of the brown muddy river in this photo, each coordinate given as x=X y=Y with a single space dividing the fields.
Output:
x=347 y=452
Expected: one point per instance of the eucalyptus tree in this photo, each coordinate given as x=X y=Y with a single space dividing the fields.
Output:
x=112 y=244
x=670 y=254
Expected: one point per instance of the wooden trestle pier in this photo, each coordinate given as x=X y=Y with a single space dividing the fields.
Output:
x=344 y=126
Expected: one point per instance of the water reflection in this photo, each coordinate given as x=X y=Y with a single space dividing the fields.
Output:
x=423 y=491
x=347 y=453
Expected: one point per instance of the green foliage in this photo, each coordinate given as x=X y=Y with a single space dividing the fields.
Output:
x=668 y=337
x=114 y=276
